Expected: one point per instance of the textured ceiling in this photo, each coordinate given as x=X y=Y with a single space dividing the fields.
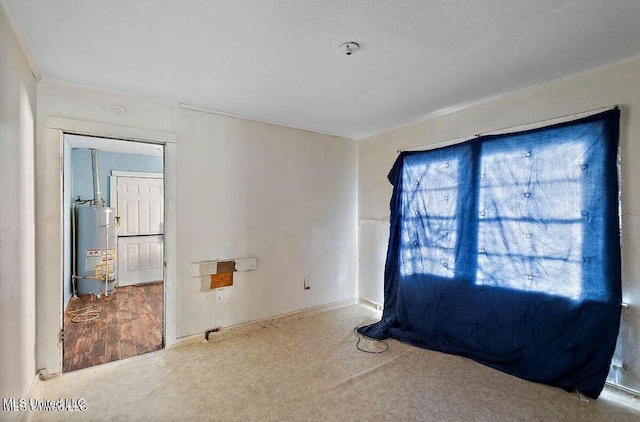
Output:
x=279 y=60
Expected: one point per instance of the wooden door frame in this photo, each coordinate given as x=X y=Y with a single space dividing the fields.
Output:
x=49 y=229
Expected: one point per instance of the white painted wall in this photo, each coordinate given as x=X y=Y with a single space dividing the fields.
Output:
x=373 y=239
x=238 y=188
x=285 y=196
x=17 y=223
x=615 y=85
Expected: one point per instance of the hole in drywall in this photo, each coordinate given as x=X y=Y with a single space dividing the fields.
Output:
x=218 y=281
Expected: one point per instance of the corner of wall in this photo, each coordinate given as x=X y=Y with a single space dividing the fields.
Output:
x=17 y=222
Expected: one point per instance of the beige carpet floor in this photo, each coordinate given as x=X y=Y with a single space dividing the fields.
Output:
x=305 y=367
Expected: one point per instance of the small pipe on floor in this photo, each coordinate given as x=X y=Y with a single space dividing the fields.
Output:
x=206 y=333
x=45 y=376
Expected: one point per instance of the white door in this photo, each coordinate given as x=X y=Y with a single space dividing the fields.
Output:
x=140 y=206
x=139 y=259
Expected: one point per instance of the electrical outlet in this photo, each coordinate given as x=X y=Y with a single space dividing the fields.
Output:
x=307 y=283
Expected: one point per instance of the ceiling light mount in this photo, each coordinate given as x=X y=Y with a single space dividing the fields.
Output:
x=118 y=110
x=349 y=48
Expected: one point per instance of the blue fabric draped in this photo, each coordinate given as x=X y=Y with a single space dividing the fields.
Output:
x=506 y=249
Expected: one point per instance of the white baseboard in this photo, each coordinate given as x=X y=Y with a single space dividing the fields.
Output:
x=271 y=319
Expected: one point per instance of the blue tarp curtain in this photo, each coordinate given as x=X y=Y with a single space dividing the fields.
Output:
x=506 y=249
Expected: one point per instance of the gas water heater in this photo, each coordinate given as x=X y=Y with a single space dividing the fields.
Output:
x=95 y=241
x=96 y=253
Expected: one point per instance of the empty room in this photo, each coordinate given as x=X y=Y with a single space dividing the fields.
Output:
x=320 y=210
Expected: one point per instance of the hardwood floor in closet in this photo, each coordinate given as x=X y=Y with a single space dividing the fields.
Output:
x=129 y=323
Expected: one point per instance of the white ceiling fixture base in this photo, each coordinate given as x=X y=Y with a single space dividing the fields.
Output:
x=349 y=48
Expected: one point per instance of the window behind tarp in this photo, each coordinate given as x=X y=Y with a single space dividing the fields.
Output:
x=506 y=249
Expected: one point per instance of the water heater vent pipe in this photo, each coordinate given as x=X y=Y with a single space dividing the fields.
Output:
x=95 y=168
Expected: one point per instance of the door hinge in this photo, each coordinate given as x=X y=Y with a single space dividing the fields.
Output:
x=61 y=335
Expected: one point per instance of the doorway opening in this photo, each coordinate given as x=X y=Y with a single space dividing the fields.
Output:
x=113 y=301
